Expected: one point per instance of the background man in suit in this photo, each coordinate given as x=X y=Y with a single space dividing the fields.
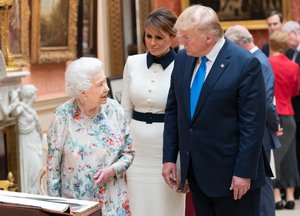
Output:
x=293 y=28
x=274 y=22
x=241 y=36
x=220 y=140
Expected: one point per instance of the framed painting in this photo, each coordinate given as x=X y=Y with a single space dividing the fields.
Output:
x=18 y=31
x=54 y=30
x=87 y=28
x=115 y=84
x=251 y=14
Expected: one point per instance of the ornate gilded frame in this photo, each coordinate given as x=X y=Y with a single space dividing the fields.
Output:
x=41 y=54
x=144 y=8
x=116 y=42
x=249 y=24
x=23 y=58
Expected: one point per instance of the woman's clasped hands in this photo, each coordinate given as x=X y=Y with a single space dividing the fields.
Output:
x=104 y=175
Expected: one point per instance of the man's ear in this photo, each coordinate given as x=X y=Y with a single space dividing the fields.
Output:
x=209 y=37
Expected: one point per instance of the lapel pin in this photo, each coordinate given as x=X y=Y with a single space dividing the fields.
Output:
x=222 y=65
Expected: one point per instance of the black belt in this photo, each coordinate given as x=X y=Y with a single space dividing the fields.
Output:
x=148 y=117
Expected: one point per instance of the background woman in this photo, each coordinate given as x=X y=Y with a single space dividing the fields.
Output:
x=146 y=82
x=286 y=86
x=89 y=143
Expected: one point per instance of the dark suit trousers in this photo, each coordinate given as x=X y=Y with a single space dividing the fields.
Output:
x=267 y=200
x=204 y=205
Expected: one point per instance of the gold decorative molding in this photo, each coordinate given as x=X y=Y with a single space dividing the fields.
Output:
x=144 y=8
x=10 y=128
x=5 y=7
x=22 y=58
x=4 y=185
x=8 y=184
x=51 y=54
x=116 y=41
x=15 y=34
x=249 y=24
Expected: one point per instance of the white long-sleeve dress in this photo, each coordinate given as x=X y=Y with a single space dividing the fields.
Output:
x=146 y=90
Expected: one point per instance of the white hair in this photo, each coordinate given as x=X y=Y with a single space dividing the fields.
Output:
x=239 y=34
x=79 y=74
x=203 y=18
x=290 y=26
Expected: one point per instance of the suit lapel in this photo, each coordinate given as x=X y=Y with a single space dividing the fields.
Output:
x=215 y=73
x=188 y=73
x=298 y=59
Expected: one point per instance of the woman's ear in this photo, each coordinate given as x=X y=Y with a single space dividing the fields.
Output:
x=84 y=95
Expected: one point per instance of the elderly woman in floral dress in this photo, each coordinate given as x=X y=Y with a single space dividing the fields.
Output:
x=89 y=144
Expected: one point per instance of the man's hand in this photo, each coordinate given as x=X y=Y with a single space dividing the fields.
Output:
x=279 y=132
x=169 y=174
x=186 y=187
x=239 y=186
x=104 y=175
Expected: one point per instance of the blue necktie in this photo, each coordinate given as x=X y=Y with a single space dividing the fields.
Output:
x=197 y=85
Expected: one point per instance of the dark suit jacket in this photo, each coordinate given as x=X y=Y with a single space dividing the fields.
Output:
x=266 y=49
x=224 y=138
x=270 y=140
x=295 y=100
x=290 y=53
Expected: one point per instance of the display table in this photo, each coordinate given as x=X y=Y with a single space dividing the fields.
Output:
x=14 y=203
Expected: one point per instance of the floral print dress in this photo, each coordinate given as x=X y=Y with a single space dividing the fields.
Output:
x=78 y=146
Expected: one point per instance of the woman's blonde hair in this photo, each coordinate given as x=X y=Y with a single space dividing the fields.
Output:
x=278 y=41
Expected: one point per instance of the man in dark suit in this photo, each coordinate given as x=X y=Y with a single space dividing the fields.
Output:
x=241 y=36
x=293 y=28
x=220 y=140
x=274 y=22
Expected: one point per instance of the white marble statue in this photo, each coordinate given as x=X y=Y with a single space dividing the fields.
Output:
x=30 y=137
x=8 y=103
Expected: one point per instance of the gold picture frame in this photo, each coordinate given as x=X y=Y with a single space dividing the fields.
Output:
x=89 y=29
x=19 y=16
x=61 y=42
x=249 y=24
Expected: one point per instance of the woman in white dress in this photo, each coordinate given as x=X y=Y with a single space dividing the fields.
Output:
x=146 y=82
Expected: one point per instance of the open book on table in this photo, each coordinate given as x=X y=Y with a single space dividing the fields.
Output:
x=50 y=204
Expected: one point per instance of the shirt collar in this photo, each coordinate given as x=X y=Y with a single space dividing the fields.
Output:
x=212 y=55
x=164 y=61
x=253 y=50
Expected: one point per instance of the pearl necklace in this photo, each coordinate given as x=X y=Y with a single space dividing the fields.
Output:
x=94 y=114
